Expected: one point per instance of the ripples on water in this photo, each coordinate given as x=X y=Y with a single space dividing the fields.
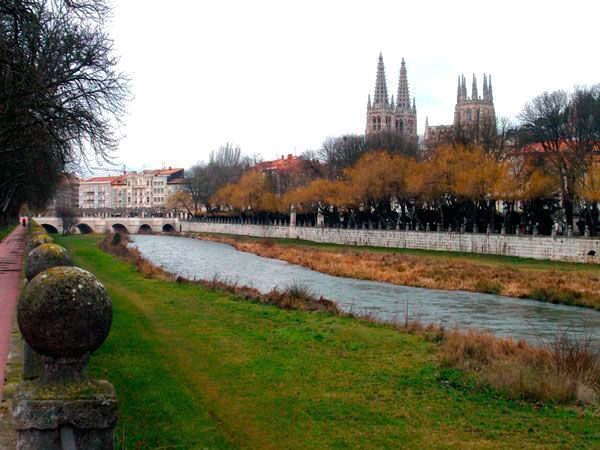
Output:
x=504 y=316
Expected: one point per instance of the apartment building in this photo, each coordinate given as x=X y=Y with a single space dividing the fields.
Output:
x=133 y=190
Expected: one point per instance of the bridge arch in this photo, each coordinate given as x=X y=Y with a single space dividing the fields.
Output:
x=168 y=228
x=145 y=228
x=84 y=228
x=50 y=228
x=119 y=228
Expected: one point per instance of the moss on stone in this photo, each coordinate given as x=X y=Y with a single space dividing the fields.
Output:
x=46 y=256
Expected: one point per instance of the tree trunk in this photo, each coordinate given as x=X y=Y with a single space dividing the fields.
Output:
x=568 y=207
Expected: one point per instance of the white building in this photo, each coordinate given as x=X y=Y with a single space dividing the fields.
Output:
x=151 y=188
x=134 y=190
x=96 y=193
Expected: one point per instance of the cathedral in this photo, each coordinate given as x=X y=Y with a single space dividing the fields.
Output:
x=473 y=111
x=385 y=115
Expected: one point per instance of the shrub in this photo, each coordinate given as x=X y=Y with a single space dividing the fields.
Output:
x=116 y=239
x=553 y=295
x=488 y=287
x=566 y=370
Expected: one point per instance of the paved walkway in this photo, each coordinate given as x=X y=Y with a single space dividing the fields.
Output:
x=11 y=257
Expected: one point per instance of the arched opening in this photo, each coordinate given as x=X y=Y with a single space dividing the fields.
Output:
x=84 y=228
x=49 y=228
x=145 y=228
x=592 y=253
x=168 y=228
x=120 y=228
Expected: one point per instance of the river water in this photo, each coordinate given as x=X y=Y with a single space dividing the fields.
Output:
x=533 y=321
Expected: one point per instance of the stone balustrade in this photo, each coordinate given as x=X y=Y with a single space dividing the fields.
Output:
x=64 y=315
x=557 y=248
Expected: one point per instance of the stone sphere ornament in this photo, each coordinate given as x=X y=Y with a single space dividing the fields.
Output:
x=46 y=256
x=38 y=240
x=64 y=312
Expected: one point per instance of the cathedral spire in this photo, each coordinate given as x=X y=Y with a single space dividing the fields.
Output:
x=403 y=99
x=474 y=94
x=464 y=88
x=369 y=102
x=490 y=93
x=414 y=108
x=459 y=90
x=381 y=94
x=485 y=87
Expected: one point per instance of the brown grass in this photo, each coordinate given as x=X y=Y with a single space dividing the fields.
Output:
x=581 y=288
x=564 y=371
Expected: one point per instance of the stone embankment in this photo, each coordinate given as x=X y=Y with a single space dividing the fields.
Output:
x=573 y=249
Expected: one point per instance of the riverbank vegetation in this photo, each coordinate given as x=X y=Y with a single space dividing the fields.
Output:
x=198 y=367
x=556 y=282
x=5 y=231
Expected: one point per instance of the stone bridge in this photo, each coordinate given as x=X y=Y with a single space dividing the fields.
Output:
x=131 y=225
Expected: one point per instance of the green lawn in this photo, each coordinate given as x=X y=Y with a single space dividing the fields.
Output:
x=487 y=259
x=199 y=369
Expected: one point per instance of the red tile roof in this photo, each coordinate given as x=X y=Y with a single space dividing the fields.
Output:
x=168 y=171
x=283 y=164
x=98 y=180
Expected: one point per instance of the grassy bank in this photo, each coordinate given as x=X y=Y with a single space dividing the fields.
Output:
x=195 y=368
x=5 y=231
x=556 y=282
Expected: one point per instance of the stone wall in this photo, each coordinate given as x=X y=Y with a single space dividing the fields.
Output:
x=538 y=247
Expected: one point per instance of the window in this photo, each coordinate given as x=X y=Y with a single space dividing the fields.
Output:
x=469 y=116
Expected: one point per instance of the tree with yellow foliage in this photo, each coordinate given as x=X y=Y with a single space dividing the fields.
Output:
x=180 y=202
x=316 y=197
x=374 y=180
x=251 y=193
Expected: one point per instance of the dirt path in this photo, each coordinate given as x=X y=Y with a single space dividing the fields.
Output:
x=11 y=257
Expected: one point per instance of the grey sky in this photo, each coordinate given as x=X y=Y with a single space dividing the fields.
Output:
x=277 y=77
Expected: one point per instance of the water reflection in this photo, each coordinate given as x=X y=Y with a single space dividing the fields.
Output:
x=504 y=316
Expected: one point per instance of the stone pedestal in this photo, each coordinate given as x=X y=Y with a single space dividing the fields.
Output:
x=32 y=363
x=41 y=410
x=293 y=217
x=320 y=220
x=64 y=314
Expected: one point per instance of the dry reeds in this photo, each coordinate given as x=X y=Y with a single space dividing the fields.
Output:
x=571 y=287
x=566 y=370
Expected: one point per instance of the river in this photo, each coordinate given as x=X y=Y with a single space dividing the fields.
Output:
x=533 y=321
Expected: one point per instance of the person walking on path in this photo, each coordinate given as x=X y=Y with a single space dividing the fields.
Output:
x=11 y=257
x=24 y=221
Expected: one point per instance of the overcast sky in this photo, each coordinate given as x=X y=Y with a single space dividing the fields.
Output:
x=277 y=77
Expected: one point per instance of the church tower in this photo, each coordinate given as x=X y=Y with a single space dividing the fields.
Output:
x=385 y=115
x=474 y=110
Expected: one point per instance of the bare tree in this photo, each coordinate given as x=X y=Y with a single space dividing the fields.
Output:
x=341 y=152
x=567 y=128
x=67 y=216
x=225 y=165
x=60 y=93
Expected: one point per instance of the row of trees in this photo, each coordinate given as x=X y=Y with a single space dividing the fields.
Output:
x=60 y=94
x=546 y=166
